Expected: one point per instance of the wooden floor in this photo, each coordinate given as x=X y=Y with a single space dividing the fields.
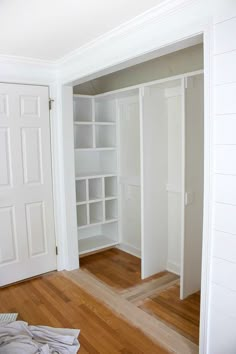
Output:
x=121 y=271
x=116 y=268
x=182 y=315
x=54 y=300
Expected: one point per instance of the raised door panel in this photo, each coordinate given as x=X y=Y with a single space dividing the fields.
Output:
x=8 y=251
x=5 y=163
x=29 y=106
x=36 y=229
x=4 y=106
x=32 y=155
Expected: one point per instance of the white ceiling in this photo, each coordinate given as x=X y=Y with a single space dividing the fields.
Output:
x=50 y=29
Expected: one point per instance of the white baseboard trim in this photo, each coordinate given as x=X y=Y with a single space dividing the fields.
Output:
x=129 y=249
x=173 y=268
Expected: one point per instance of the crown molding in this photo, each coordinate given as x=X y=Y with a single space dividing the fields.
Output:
x=12 y=59
x=152 y=15
x=146 y=18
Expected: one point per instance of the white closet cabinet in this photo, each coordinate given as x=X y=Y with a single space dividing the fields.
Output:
x=95 y=141
x=139 y=174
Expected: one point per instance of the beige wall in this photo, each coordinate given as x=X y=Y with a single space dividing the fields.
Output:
x=182 y=61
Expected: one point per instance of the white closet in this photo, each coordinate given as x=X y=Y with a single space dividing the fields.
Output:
x=95 y=139
x=139 y=174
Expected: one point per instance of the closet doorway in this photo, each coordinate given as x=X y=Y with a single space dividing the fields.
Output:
x=139 y=178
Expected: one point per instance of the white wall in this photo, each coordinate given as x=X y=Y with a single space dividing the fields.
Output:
x=223 y=277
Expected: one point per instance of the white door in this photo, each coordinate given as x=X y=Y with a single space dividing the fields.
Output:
x=27 y=239
x=194 y=160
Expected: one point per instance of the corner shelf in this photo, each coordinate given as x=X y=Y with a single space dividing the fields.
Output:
x=96 y=163
x=107 y=221
x=95 y=243
x=96 y=149
x=93 y=123
x=94 y=175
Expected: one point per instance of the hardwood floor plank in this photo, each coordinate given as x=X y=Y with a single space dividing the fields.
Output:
x=122 y=272
x=56 y=301
x=154 y=328
x=116 y=268
x=181 y=315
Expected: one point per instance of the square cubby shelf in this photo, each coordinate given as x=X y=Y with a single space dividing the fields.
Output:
x=110 y=187
x=81 y=215
x=96 y=212
x=105 y=136
x=111 y=209
x=83 y=136
x=81 y=191
x=82 y=109
x=95 y=188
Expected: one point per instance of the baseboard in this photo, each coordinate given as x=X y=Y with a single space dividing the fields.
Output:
x=173 y=268
x=129 y=249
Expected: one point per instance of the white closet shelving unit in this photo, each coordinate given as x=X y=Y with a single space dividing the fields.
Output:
x=149 y=138
x=95 y=140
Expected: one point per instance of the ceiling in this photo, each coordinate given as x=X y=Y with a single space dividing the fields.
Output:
x=51 y=29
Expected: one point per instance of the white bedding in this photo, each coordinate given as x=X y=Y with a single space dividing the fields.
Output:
x=19 y=338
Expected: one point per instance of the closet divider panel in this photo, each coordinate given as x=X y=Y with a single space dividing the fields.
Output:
x=154 y=178
x=194 y=165
x=130 y=201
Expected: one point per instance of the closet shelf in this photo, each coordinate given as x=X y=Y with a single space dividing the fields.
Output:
x=94 y=243
x=93 y=123
x=96 y=200
x=94 y=175
x=96 y=149
x=107 y=221
x=90 y=201
x=111 y=197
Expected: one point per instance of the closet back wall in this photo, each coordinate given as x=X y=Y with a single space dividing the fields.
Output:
x=182 y=61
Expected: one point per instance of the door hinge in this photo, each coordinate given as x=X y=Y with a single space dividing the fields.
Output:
x=50 y=103
x=56 y=250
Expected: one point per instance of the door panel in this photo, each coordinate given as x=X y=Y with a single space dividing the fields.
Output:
x=30 y=106
x=5 y=170
x=8 y=242
x=35 y=218
x=27 y=239
x=4 y=107
x=32 y=152
x=194 y=163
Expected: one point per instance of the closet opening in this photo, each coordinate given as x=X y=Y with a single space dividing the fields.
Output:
x=139 y=157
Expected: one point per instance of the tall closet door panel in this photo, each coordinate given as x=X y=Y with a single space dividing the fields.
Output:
x=194 y=163
x=129 y=143
x=175 y=180
x=154 y=125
